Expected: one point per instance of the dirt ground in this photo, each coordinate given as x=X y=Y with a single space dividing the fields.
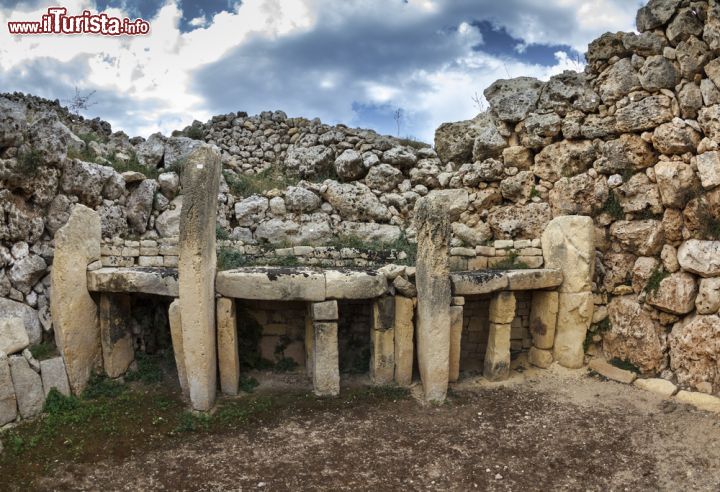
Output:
x=543 y=430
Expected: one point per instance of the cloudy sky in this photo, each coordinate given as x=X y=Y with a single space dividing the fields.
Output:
x=345 y=61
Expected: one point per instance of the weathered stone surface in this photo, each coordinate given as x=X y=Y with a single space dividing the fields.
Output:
x=502 y=308
x=370 y=232
x=488 y=140
x=658 y=386
x=115 y=333
x=456 y=325
x=14 y=309
x=512 y=100
x=543 y=319
x=520 y=221
x=645 y=114
x=228 y=357
x=676 y=294
x=28 y=387
x=151 y=151
x=355 y=201
x=562 y=159
x=700 y=257
x=575 y=312
x=602 y=367
x=694 y=354
x=497 y=354
x=175 y=321
x=568 y=245
x=659 y=73
x=324 y=311
x=579 y=195
x=676 y=181
x=8 y=401
x=701 y=401
x=540 y=358
x=74 y=313
x=617 y=81
x=325 y=366
x=54 y=376
x=354 y=284
x=655 y=14
x=404 y=287
x=634 y=336
x=454 y=141
x=384 y=177
x=400 y=157
x=532 y=279
x=382 y=340
x=168 y=223
x=453 y=202
x=13 y=337
x=309 y=162
x=478 y=282
x=299 y=199
x=641 y=237
x=272 y=284
x=708 y=299
x=139 y=205
x=26 y=272
x=628 y=152
x=676 y=138
x=349 y=165
x=708 y=165
x=432 y=277
x=639 y=194
x=141 y=280
x=196 y=270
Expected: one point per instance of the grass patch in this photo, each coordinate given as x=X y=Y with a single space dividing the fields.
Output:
x=248 y=384
x=414 y=143
x=132 y=165
x=612 y=207
x=29 y=162
x=245 y=185
x=149 y=369
x=220 y=233
x=43 y=351
x=656 y=277
x=101 y=386
x=400 y=245
x=230 y=259
x=511 y=262
x=534 y=192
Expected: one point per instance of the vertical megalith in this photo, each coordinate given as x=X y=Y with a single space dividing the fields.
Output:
x=323 y=361
x=115 y=336
x=74 y=313
x=497 y=355
x=196 y=269
x=568 y=245
x=28 y=387
x=382 y=348
x=456 y=325
x=432 y=278
x=404 y=330
x=8 y=401
x=174 y=318
x=227 y=341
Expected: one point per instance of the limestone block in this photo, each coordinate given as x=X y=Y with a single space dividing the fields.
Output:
x=28 y=387
x=478 y=282
x=115 y=336
x=497 y=355
x=701 y=401
x=53 y=375
x=543 y=318
x=404 y=330
x=700 y=257
x=708 y=299
x=676 y=294
x=174 y=318
x=74 y=312
x=324 y=311
x=502 y=308
x=273 y=284
x=196 y=269
x=575 y=312
x=432 y=278
x=326 y=363
x=14 y=309
x=658 y=386
x=456 y=325
x=602 y=367
x=8 y=402
x=228 y=357
x=568 y=245
x=309 y=338
x=349 y=284
x=13 y=337
x=540 y=358
x=382 y=350
x=533 y=279
x=155 y=281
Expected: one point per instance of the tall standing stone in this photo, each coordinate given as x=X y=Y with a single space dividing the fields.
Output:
x=28 y=387
x=568 y=244
x=228 y=356
x=74 y=313
x=543 y=318
x=456 y=325
x=115 y=335
x=382 y=350
x=404 y=350
x=197 y=268
x=53 y=375
x=175 y=320
x=326 y=362
x=8 y=402
x=497 y=355
x=432 y=277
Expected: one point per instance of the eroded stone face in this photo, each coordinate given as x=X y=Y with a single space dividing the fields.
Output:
x=694 y=351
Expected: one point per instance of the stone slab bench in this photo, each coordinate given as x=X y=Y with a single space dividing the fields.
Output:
x=300 y=284
x=135 y=280
x=489 y=281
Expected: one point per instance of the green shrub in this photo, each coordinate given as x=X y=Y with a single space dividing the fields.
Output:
x=510 y=262
x=191 y=422
x=132 y=165
x=656 y=277
x=220 y=233
x=45 y=350
x=57 y=403
x=30 y=162
x=149 y=369
x=101 y=386
x=245 y=185
x=195 y=132
x=613 y=207
x=229 y=259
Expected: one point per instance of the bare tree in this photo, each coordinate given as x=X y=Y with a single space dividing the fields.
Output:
x=397 y=116
x=80 y=102
x=479 y=102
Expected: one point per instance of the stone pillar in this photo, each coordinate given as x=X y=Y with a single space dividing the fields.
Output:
x=228 y=356
x=74 y=313
x=456 y=326
x=115 y=336
x=196 y=269
x=309 y=336
x=404 y=330
x=382 y=346
x=28 y=387
x=8 y=401
x=175 y=321
x=432 y=277
x=543 y=320
x=497 y=355
x=325 y=364
x=568 y=245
